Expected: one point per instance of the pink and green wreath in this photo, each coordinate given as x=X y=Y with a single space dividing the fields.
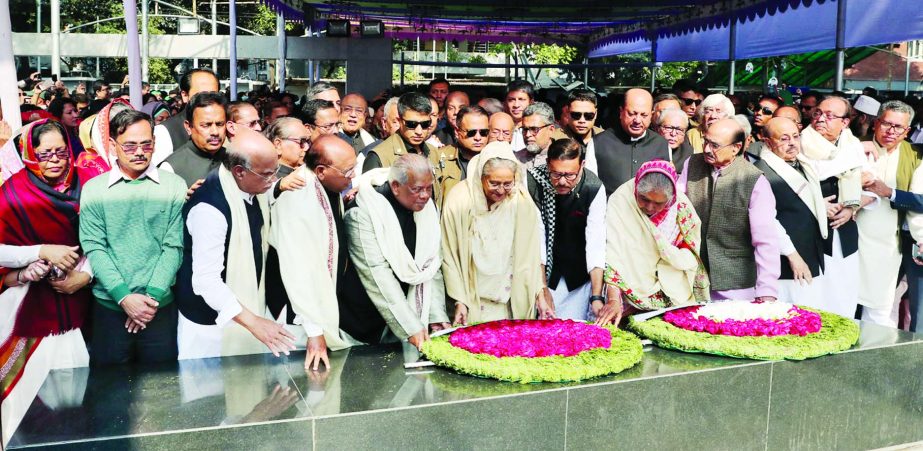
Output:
x=781 y=332
x=528 y=351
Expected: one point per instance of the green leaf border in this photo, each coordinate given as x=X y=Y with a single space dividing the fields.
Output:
x=625 y=352
x=836 y=334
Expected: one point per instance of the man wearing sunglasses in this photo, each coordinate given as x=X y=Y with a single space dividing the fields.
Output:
x=451 y=162
x=578 y=118
x=763 y=112
x=690 y=97
x=131 y=228
x=572 y=203
x=620 y=151
x=414 y=110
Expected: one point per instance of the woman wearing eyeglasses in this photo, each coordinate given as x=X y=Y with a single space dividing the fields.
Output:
x=490 y=243
x=44 y=299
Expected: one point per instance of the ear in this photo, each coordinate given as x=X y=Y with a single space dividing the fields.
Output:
x=112 y=143
x=188 y=127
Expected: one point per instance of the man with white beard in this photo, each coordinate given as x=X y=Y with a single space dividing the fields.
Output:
x=538 y=128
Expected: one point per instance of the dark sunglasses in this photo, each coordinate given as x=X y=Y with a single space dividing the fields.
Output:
x=588 y=115
x=412 y=125
x=690 y=101
x=764 y=110
x=485 y=132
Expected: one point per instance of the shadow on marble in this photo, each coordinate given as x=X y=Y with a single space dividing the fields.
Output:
x=858 y=400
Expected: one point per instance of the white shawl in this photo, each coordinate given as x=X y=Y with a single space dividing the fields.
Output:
x=845 y=160
x=807 y=187
x=417 y=270
x=304 y=235
x=240 y=271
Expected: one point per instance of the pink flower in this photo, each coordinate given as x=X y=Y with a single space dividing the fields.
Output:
x=531 y=338
x=799 y=322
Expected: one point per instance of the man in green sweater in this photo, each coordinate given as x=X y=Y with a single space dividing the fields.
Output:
x=131 y=229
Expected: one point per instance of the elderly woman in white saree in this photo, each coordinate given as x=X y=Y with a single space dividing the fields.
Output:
x=652 y=250
x=491 y=243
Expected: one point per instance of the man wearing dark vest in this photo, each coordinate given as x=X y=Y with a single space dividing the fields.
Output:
x=621 y=151
x=205 y=121
x=172 y=134
x=800 y=210
x=572 y=203
x=219 y=287
x=740 y=239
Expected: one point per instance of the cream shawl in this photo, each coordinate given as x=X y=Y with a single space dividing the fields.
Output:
x=807 y=187
x=645 y=259
x=417 y=270
x=468 y=223
x=844 y=160
x=304 y=235
x=240 y=271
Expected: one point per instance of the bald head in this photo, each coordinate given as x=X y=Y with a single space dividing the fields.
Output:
x=783 y=137
x=501 y=127
x=353 y=112
x=724 y=140
x=789 y=112
x=635 y=115
x=333 y=161
x=252 y=160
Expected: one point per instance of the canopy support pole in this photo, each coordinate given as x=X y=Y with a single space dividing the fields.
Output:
x=732 y=55
x=215 y=33
x=840 y=44
x=280 y=63
x=9 y=94
x=55 y=37
x=586 y=73
x=653 y=61
x=402 y=65
x=907 y=77
x=134 y=52
x=145 y=41
x=232 y=51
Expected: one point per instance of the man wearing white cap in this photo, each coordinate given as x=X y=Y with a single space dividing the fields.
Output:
x=866 y=110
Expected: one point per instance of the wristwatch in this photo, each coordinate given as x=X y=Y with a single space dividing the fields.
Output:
x=597 y=298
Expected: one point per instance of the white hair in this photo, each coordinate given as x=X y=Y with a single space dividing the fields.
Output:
x=744 y=123
x=664 y=114
x=712 y=101
x=407 y=164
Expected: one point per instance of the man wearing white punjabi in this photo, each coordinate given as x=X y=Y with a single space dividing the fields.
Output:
x=880 y=229
x=800 y=211
x=220 y=287
x=394 y=243
x=572 y=202
x=837 y=158
x=304 y=259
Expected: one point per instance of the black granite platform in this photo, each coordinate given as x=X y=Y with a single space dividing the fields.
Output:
x=869 y=397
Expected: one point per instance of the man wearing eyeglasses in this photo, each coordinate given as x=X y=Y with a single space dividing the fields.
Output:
x=807 y=105
x=838 y=159
x=501 y=127
x=715 y=107
x=691 y=97
x=241 y=114
x=740 y=241
x=620 y=151
x=131 y=228
x=291 y=141
x=538 y=130
x=353 y=112
x=886 y=237
x=451 y=162
x=205 y=123
x=671 y=124
x=572 y=203
x=307 y=258
x=220 y=286
x=321 y=117
x=766 y=106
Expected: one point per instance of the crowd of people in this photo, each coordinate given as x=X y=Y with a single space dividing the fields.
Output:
x=199 y=227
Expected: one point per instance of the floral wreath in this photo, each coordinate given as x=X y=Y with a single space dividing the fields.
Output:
x=570 y=358
x=836 y=334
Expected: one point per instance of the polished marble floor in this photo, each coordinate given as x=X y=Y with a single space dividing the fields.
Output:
x=199 y=403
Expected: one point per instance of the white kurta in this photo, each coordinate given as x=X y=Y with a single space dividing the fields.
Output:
x=879 y=249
